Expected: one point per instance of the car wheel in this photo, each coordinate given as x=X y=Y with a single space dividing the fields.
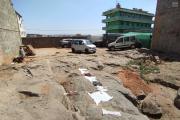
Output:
x=112 y=48
x=86 y=50
x=133 y=46
x=65 y=46
x=73 y=50
x=138 y=45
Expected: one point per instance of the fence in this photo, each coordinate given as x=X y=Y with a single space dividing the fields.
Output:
x=47 y=42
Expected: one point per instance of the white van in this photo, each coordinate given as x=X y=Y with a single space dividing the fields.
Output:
x=83 y=45
x=123 y=42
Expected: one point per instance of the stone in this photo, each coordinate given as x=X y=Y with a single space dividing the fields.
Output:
x=157 y=59
x=141 y=95
x=177 y=99
x=135 y=66
x=150 y=107
x=100 y=65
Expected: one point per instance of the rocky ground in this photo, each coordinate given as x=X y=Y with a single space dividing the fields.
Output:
x=50 y=86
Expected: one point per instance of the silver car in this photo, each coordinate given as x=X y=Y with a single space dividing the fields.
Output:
x=83 y=45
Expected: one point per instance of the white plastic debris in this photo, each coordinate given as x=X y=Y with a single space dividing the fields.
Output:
x=106 y=112
x=100 y=96
x=101 y=88
x=91 y=79
x=83 y=71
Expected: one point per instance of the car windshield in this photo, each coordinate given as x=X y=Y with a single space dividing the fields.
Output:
x=88 y=42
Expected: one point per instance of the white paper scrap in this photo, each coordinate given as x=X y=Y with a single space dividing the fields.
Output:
x=111 y=112
x=101 y=88
x=83 y=71
x=91 y=79
x=100 y=97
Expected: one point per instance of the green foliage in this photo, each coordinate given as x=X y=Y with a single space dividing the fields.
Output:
x=144 y=67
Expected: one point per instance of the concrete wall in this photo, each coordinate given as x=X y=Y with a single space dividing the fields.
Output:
x=9 y=32
x=46 y=42
x=167 y=27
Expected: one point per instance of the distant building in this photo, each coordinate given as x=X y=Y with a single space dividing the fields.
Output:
x=122 y=20
x=166 y=37
x=21 y=27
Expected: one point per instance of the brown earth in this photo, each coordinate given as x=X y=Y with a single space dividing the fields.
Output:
x=134 y=82
x=163 y=96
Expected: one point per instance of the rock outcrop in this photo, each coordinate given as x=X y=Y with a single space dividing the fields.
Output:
x=151 y=108
x=177 y=100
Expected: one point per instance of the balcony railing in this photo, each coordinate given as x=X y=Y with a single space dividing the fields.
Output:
x=138 y=20
x=125 y=27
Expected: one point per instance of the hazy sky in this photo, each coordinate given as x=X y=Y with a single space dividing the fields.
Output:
x=71 y=16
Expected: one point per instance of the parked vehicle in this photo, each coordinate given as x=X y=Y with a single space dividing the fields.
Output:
x=66 y=43
x=142 y=39
x=132 y=40
x=123 y=42
x=83 y=45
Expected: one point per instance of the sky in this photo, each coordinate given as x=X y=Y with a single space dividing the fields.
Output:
x=71 y=16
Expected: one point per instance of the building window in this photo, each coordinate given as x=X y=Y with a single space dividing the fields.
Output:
x=137 y=24
x=132 y=24
x=133 y=15
x=127 y=23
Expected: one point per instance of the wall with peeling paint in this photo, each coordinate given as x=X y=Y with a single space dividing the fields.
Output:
x=9 y=32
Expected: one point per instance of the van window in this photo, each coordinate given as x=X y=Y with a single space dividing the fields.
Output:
x=120 y=40
x=76 y=42
x=88 y=42
x=126 y=39
x=132 y=39
x=81 y=42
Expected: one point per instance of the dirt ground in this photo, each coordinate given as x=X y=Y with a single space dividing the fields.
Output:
x=164 y=96
x=49 y=86
x=134 y=82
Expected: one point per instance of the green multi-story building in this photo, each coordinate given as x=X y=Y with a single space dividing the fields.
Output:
x=122 y=20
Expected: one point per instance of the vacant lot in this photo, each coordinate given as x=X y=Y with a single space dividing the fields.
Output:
x=49 y=86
